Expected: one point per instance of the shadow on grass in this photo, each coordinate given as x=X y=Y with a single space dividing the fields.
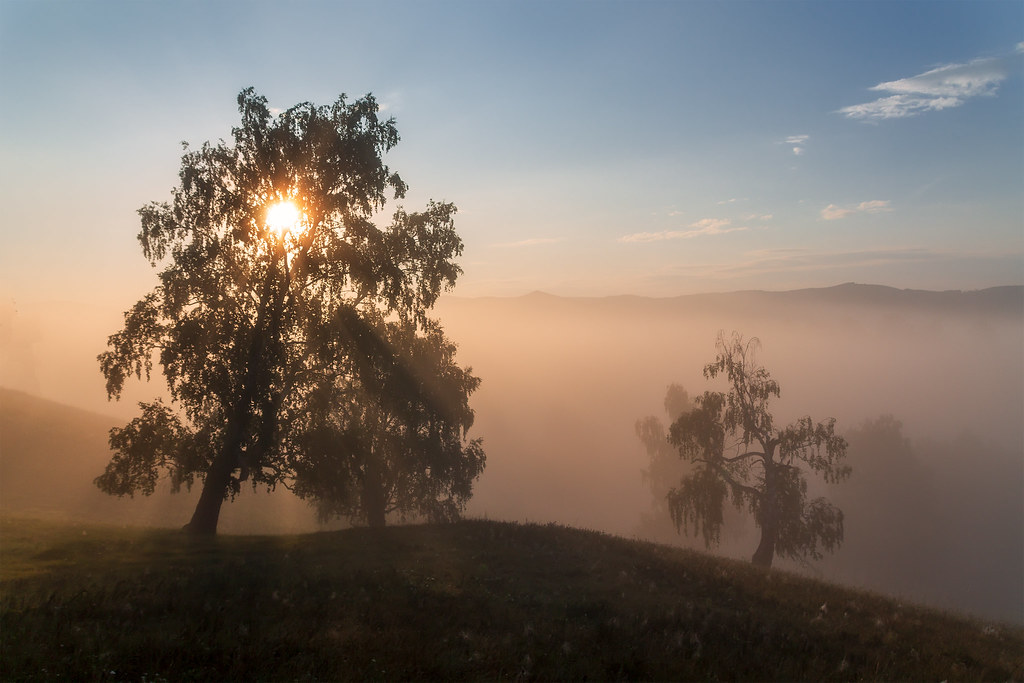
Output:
x=473 y=600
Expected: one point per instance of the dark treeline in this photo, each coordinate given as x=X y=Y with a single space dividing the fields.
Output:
x=935 y=520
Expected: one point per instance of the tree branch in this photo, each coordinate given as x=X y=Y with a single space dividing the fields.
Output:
x=742 y=456
x=725 y=474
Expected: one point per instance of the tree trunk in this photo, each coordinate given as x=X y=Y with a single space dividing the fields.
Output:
x=374 y=502
x=218 y=476
x=207 y=512
x=765 y=552
x=769 y=517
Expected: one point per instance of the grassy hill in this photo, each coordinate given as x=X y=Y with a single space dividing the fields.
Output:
x=474 y=600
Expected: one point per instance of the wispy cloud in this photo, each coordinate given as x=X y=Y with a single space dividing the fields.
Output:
x=803 y=267
x=703 y=227
x=391 y=102
x=941 y=88
x=833 y=212
x=771 y=261
x=774 y=260
x=797 y=142
x=532 y=242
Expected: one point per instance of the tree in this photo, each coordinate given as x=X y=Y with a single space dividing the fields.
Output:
x=272 y=265
x=738 y=453
x=664 y=465
x=391 y=438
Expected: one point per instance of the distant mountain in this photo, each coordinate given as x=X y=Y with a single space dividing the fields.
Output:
x=1008 y=300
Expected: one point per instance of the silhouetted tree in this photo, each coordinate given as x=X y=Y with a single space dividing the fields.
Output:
x=390 y=438
x=247 y=320
x=664 y=466
x=738 y=453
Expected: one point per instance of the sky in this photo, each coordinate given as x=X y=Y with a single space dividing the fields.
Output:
x=593 y=148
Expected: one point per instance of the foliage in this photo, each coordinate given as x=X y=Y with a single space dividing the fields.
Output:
x=664 y=467
x=740 y=456
x=237 y=321
x=474 y=600
x=391 y=438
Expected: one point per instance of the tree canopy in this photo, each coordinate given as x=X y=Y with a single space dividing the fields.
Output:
x=260 y=312
x=390 y=438
x=664 y=467
x=738 y=454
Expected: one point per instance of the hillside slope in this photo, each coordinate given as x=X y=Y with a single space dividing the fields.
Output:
x=50 y=454
x=474 y=600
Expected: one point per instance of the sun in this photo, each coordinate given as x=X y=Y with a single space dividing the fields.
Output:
x=284 y=217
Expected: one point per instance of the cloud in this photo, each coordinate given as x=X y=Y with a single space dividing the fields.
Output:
x=798 y=142
x=710 y=226
x=789 y=260
x=391 y=102
x=874 y=206
x=532 y=242
x=941 y=88
x=772 y=260
x=703 y=227
x=833 y=212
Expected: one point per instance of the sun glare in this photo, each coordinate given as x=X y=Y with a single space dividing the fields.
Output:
x=284 y=217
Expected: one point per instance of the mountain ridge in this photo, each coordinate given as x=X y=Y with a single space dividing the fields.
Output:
x=843 y=290
x=1003 y=301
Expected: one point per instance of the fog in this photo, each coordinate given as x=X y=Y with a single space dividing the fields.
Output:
x=934 y=508
x=566 y=379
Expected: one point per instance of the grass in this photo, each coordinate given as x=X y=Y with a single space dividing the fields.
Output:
x=473 y=600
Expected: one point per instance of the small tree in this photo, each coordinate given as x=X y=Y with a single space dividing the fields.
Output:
x=391 y=436
x=738 y=453
x=664 y=467
x=271 y=266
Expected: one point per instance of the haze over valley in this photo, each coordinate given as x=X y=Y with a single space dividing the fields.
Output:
x=934 y=509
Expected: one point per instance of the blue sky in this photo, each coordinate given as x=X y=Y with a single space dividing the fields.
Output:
x=593 y=148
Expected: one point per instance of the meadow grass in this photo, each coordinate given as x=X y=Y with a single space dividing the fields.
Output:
x=474 y=600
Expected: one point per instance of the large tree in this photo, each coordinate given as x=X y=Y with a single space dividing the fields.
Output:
x=273 y=269
x=738 y=453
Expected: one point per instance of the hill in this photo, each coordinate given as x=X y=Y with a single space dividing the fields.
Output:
x=473 y=600
x=50 y=454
